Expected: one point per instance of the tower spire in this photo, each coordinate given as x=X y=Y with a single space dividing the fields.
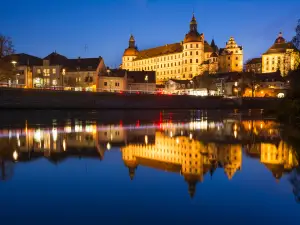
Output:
x=193 y=23
x=131 y=42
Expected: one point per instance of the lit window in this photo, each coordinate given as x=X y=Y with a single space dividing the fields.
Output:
x=38 y=71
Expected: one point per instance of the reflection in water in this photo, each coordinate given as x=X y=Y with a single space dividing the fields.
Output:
x=191 y=149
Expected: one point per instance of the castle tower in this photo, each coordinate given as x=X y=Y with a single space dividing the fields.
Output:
x=193 y=51
x=129 y=55
x=231 y=57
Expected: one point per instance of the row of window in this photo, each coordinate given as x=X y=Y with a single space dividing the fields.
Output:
x=166 y=65
x=117 y=84
x=173 y=71
x=46 y=72
x=165 y=58
x=176 y=77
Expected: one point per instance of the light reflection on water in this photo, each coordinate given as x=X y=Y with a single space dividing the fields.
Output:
x=250 y=153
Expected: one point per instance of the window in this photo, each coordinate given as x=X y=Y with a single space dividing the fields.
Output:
x=38 y=71
x=185 y=69
x=105 y=84
x=185 y=61
x=236 y=65
x=197 y=45
x=228 y=64
x=191 y=53
x=178 y=63
x=183 y=76
x=191 y=69
x=179 y=71
x=185 y=53
x=229 y=58
x=237 y=58
x=197 y=60
x=196 y=52
x=191 y=45
x=191 y=61
x=191 y=75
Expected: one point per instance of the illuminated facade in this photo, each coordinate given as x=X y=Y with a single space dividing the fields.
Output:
x=184 y=155
x=184 y=60
x=282 y=55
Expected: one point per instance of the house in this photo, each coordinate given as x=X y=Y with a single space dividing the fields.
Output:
x=57 y=71
x=254 y=65
x=174 y=86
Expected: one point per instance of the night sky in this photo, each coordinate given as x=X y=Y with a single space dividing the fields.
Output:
x=39 y=27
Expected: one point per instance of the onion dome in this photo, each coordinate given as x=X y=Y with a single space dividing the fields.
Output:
x=193 y=35
x=130 y=52
x=280 y=39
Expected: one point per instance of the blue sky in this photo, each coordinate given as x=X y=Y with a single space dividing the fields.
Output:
x=40 y=27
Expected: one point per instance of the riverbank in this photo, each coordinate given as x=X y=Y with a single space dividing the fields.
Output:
x=11 y=98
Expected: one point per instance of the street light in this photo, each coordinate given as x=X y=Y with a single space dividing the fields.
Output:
x=146 y=79
x=14 y=64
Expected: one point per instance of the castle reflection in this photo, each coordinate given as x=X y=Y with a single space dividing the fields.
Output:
x=191 y=149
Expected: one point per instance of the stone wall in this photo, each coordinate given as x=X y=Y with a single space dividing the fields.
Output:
x=11 y=98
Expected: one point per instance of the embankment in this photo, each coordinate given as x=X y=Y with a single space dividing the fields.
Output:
x=11 y=98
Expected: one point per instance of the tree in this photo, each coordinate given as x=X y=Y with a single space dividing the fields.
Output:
x=296 y=39
x=6 y=46
x=6 y=50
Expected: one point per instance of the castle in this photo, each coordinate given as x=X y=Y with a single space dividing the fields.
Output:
x=184 y=60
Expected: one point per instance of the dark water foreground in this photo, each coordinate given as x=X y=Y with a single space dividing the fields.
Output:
x=150 y=167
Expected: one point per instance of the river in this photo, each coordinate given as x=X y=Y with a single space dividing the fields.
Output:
x=146 y=167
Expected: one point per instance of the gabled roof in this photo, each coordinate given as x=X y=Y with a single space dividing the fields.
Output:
x=254 y=61
x=281 y=48
x=158 y=51
x=85 y=64
x=23 y=59
x=268 y=77
x=180 y=81
x=139 y=76
x=207 y=47
x=56 y=59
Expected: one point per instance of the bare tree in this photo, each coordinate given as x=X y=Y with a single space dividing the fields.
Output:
x=6 y=46
x=296 y=39
x=6 y=66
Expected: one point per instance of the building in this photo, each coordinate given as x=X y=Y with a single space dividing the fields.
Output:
x=185 y=59
x=173 y=86
x=254 y=65
x=231 y=57
x=83 y=73
x=113 y=81
x=57 y=71
x=117 y=80
x=282 y=55
x=23 y=64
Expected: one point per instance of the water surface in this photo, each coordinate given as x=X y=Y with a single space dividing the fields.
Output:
x=162 y=168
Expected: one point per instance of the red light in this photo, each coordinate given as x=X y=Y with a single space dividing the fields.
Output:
x=121 y=92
